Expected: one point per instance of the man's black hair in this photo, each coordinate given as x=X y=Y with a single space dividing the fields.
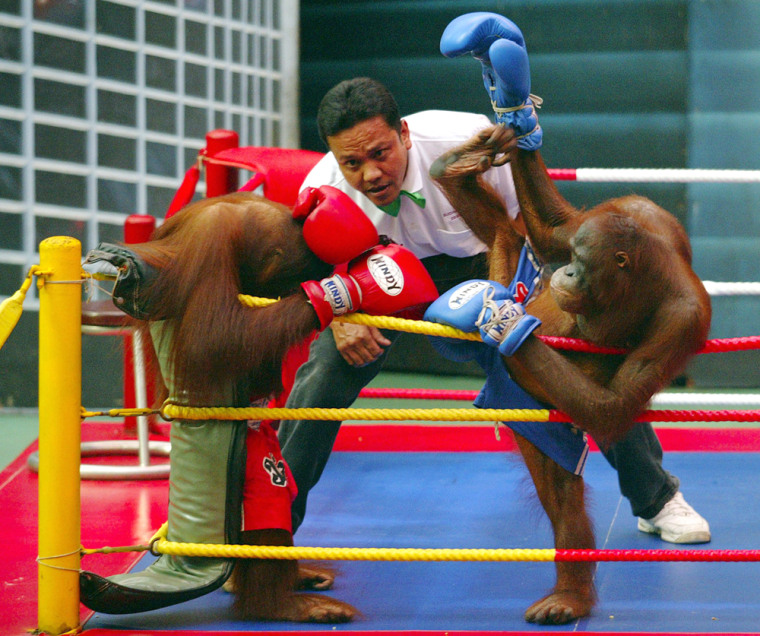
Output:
x=353 y=101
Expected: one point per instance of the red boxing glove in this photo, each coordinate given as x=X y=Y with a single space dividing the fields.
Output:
x=385 y=280
x=334 y=227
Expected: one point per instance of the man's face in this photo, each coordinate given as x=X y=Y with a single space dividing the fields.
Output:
x=372 y=157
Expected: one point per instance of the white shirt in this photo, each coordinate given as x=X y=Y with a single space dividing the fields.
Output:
x=438 y=228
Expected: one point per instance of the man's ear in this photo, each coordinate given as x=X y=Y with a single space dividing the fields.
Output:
x=404 y=134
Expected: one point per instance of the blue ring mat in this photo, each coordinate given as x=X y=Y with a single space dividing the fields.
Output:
x=486 y=500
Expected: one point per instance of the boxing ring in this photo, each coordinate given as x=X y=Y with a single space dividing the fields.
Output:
x=438 y=511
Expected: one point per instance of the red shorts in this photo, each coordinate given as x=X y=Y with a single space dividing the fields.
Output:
x=269 y=487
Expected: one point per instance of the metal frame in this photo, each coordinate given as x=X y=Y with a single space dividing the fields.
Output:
x=251 y=86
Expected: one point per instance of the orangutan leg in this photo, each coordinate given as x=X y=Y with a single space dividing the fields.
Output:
x=458 y=174
x=490 y=147
x=315 y=576
x=562 y=496
x=264 y=588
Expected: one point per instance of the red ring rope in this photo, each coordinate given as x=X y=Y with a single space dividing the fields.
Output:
x=711 y=346
x=419 y=394
x=658 y=415
x=657 y=555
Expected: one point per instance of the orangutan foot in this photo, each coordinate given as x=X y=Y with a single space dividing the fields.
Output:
x=475 y=156
x=315 y=577
x=559 y=607
x=312 y=608
x=459 y=163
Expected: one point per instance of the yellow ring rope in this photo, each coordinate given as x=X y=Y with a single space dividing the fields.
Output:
x=352 y=554
x=11 y=307
x=171 y=411
x=383 y=322
x=175 y=411
x=160 y=545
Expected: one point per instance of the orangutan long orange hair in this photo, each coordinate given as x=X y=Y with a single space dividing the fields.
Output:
x=206 y=255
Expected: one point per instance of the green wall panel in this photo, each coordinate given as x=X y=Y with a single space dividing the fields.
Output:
x=626 y=83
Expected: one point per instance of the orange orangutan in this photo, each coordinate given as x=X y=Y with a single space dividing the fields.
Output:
x=627 y=283
x=229 y=483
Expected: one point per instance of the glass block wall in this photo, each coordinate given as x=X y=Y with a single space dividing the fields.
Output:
x=105 y=103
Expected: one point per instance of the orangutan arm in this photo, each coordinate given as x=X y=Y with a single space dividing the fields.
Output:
x=607 y=412
x=549 y=218
x=224 y=342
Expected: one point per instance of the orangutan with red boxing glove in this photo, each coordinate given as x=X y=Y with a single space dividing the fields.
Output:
x=229 y=483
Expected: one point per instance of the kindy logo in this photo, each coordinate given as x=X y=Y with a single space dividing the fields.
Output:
x=339 y=297
x=467 y=293
x=387 y=274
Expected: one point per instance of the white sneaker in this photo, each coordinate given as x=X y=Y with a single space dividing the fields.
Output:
x=677 y=522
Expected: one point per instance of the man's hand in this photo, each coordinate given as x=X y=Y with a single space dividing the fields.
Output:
x=358 y=344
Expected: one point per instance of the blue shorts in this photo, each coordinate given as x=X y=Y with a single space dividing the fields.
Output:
x=562 y=442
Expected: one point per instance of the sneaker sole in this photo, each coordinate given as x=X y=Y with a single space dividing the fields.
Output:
x=698 y=536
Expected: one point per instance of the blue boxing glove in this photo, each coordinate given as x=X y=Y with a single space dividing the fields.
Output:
x=499 y=45
x=503 y=323
x=460 y=307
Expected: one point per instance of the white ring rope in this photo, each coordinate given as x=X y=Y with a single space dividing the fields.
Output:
x=731 y=289
x=666 y=175
x=705 y=399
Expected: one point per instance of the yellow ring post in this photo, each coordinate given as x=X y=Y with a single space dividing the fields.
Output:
x=60 y=396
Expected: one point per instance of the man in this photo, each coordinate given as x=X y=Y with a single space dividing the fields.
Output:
x=381 y=161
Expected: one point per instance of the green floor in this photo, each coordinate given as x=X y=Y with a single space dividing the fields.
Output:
x=19 y=428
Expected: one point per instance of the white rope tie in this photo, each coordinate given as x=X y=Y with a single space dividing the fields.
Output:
x=537 y=103
x=42 y=561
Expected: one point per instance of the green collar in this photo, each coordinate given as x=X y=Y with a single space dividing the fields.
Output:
x=393 y=208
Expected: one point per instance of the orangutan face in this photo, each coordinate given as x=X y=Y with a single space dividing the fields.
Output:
x=600 y=270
